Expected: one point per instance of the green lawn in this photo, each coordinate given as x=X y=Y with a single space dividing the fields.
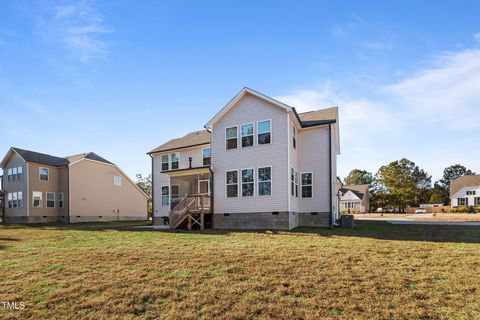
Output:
x=378 y=271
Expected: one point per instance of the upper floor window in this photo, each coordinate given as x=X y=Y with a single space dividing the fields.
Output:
x=248 y=183
x=14 y=174
x=294 y=136
x=175 y=160
x=247 y=135
x=165 y=162
x=117 y=181
x=37 y=201
x=265 y=181
x=61 y=200
x=264 y=130
x=307 y=185
x=50 y=200
x=207 y=156
x=231 y=137
x=471 y=192
x=232 y=183
x=43 y=172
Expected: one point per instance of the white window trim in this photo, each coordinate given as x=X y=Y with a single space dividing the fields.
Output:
x=225 y=137
x=63 y=200
x=171 y=162
x=290 y=180
x=41 y=199
x=46 y=200
x=231 y=184
x=271 y=181
x=162 y=195
x=203 y=156
x=48 y=173
x=307 y=185
x=297 y=191
x=254 y=182
x=168 y=162
x=271 y=133
x=121 y=181
x=253 y=135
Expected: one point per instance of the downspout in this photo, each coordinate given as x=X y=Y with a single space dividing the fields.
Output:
x=330 y=174
x=69 y=195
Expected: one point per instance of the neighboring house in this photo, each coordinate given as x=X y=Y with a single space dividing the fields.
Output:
x=354 y=199
x=85 y=187
x=430 y=205
x=258 y=165
x=465 y=191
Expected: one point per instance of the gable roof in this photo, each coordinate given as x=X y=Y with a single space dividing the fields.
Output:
x=191 y=139
x=463 y=182
x=306 y=119
x=318 y=117
x=88 y=155
x=40 y=158
x=360 y=190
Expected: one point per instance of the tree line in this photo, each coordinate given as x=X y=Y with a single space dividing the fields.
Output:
x=402 y=183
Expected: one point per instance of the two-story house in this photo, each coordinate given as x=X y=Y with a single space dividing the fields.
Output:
x=38 y=187
x=465 y=191
x=257 y=165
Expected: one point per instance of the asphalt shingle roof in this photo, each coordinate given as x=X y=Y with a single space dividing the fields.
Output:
x=41 y=158
x=191 y=139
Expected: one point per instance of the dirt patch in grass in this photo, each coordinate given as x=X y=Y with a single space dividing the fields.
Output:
x=378 y=271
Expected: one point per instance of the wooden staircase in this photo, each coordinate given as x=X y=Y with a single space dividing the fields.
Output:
x=192 y=210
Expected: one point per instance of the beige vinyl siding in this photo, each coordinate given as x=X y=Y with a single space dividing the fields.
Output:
x=247 y=110
x=184 y=155
x=94 y=194
x=15 y=186
x=64 y=188
x=313 y=146
x=35 y=184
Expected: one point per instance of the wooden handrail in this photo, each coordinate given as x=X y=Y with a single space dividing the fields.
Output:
x=196 y=202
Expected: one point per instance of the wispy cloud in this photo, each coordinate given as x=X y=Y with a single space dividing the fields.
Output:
x=431 y=116
x=78 y=26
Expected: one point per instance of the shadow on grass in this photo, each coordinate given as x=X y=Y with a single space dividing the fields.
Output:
x=363 y=229
x=2 y=246
x=397 y=232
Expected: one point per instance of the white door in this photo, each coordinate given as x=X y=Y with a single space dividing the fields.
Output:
x=204 y=187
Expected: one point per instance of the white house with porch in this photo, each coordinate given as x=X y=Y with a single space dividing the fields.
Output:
x=258 y=164
x=465 y=191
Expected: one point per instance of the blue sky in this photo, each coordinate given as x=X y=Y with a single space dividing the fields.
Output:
x=121 y=77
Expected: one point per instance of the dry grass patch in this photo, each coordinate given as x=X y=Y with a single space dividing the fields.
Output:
x=379 y=271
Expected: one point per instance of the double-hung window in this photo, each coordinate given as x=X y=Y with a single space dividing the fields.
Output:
x=175 y=160
x=247 y=135
x=61 y=200
x=10 y=200
x=20 y=173
x=264 y=130
x=20 y=199
x=207 y=156
x=296 y=184
x=231 y=138
x=462 y=201
x=477 y=201
x=264 y=181
x=10 y=174
x=248 y=182
x=165 y=196
x=50 y=200
x=15 y=200
x=15 y=173
x=292 y=181
x=294 y=137
x=232 y=183
x=165 y=162
x=471 y=193
x=37 y=201
x=307 y=185
x=43 y=172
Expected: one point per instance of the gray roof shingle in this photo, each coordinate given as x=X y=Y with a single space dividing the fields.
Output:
x=41 y=158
